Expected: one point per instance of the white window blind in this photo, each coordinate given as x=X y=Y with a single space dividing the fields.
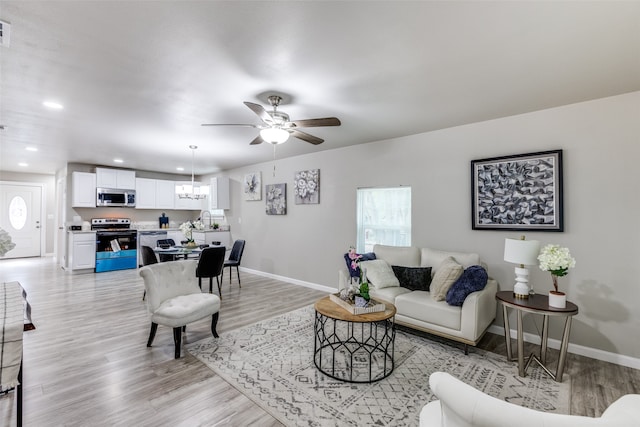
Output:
x=383 y=217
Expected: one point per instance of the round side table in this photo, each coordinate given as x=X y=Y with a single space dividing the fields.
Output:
x=536 y=304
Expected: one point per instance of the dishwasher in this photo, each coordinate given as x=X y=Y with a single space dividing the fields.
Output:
x=148 y=238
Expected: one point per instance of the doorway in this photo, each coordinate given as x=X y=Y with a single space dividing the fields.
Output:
x=21 y=217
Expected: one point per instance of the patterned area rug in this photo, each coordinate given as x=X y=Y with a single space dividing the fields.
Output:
x=271 y=362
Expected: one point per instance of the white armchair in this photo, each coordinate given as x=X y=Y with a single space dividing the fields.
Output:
x=174 y=299
x=460 y=405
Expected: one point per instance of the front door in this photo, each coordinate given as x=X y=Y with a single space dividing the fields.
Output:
x=20 y=211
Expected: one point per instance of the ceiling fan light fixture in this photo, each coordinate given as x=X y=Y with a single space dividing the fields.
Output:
x=274 y=135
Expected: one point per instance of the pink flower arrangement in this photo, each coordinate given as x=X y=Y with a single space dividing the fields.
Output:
x=354 y=257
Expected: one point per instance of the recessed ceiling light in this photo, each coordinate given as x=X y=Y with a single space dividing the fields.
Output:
x=118 y=160
x=53 y=105
x=31 y=149
x=180 y=168
x=24 y=165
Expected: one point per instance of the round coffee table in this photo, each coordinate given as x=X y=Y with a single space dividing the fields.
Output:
x=355 y=348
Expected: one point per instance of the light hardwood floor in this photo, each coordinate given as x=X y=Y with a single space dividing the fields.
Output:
x=87 y=362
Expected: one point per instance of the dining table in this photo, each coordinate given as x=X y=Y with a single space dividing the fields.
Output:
x=182 y=252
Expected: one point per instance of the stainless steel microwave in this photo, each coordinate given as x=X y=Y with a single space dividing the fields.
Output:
x=116 y=198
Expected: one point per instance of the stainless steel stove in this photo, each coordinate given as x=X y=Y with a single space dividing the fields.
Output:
x=116 y=244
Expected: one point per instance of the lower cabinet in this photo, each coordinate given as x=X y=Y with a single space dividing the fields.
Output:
x=206 y=237
x=82 y=251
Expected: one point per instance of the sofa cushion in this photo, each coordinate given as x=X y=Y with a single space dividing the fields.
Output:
x=414 y=278
x=433 y=258
x=364 y=257
x=472 y=279
x=420 y=305
x=398 y=255
x=379 y=274
x=446 y=274
x=388 y=294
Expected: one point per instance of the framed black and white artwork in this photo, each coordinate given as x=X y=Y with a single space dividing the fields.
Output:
x=276 y=199
x=306 y=187
x=521 y=192
x=252 y=186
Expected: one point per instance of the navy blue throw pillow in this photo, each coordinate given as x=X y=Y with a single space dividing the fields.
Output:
x=473 y=279
x=369 y=256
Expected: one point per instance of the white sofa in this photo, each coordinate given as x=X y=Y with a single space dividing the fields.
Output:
x=418 y=310
x=460 y=405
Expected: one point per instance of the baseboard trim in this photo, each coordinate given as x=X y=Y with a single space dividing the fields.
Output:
x=290 y=280
x=594 y=353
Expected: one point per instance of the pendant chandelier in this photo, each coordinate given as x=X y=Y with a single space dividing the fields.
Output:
x=191 y=191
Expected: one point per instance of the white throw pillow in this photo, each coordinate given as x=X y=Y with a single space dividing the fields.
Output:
x=446 y=275
x=380 y=274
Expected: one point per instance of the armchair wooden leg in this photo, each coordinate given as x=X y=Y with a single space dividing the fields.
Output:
x=152 y=333
x=219 y=280
x=214 y=323
x=177 y=338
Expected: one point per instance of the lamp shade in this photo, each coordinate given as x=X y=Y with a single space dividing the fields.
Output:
x=274 y=135
x=524 y=252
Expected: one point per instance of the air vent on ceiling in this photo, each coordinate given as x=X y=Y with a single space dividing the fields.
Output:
x=5 y=32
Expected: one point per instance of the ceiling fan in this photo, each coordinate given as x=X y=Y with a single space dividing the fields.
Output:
x=276 y=127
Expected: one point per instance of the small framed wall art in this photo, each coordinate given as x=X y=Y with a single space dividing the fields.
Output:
x=521 y=192
x=306 y=187
x=276 y=199
x=252 y=186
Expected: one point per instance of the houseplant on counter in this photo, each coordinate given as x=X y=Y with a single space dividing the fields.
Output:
x=557 y=261
x=187 y=229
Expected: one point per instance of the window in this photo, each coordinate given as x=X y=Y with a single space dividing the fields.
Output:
x=383 y=217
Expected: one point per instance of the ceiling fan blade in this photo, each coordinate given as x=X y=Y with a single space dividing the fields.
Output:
x=229 y=124
x=260 y=111
x=306 y=137
x=327 y=121
x=258 y=140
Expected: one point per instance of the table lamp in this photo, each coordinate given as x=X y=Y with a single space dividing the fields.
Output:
x=522 y=252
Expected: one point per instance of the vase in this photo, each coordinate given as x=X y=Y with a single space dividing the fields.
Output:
x=191 y=245
x=557 y=299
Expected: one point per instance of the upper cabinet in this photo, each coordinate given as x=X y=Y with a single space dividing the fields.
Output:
x=83 y=190
x=219 y=193
x=116 y=178
x=154 y=194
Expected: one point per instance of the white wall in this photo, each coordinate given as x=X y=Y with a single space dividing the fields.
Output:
x=601 y=147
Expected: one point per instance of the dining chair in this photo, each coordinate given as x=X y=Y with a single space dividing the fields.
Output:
x=166 y=243
x=210 y=265
x=148 y=258
x=176 y=300
x=234 y=260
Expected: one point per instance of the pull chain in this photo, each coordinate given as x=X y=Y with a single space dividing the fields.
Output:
x=274 y=160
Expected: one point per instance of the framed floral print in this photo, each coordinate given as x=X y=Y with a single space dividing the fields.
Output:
x=276 y=199
x=306 y=187
x=252 y=186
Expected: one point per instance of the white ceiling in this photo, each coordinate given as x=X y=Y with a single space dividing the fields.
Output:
x=137 y=78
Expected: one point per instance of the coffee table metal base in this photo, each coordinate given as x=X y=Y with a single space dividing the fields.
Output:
x=357 y=352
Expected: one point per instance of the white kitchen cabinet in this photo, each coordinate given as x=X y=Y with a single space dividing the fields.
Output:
x=165 y=194
x=154 y=194
x=208 y=236
x=145 y=193
x=188 y=204
x=83 y=190
x=219 y=193
x=116 y=178
x=82 y=250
